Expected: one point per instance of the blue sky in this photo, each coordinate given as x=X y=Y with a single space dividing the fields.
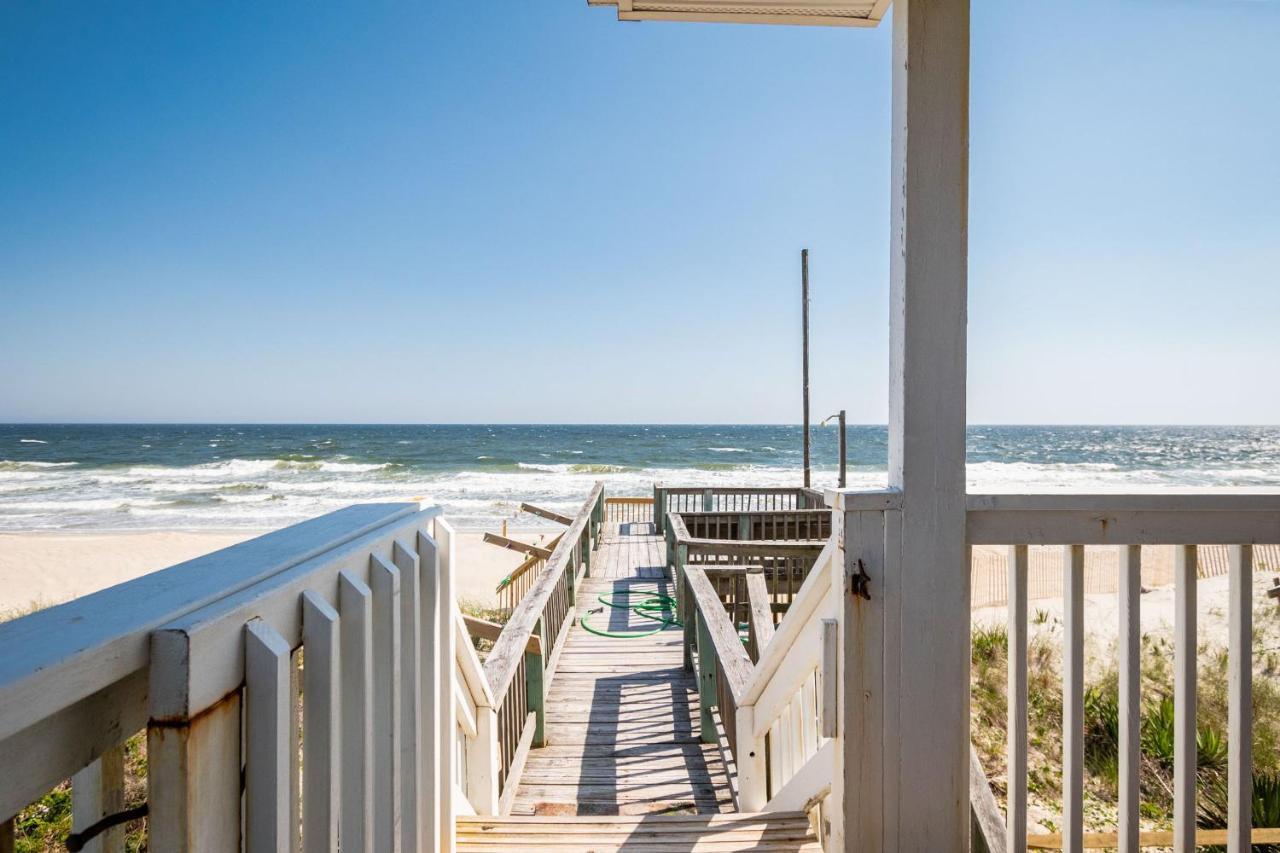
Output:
x=531 y=212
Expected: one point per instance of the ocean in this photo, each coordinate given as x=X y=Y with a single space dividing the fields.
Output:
x=138 y=477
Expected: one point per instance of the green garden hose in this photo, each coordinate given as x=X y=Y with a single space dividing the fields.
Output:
x=655 y=607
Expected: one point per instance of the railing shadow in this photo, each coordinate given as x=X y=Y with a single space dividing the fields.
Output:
x=642 y=752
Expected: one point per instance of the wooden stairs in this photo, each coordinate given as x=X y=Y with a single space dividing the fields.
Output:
x=772 y=832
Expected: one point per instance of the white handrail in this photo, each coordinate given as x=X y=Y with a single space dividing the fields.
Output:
x=74 y=678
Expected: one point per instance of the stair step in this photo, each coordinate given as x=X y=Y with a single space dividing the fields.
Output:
x=775 y=832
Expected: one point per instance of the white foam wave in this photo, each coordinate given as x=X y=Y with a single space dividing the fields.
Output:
x=15 y=465
x=264 y=493
x=31 y=441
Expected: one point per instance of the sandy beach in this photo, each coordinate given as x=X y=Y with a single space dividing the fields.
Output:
x=42 y=569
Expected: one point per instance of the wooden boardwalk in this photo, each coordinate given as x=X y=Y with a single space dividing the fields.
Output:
x=622 y=715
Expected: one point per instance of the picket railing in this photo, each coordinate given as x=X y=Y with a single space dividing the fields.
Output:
x=774 y=526
x=1237 y=519
x=784 y=565
x=779 y=712
x=628 y=510
x=226 y=660
x=519 y=677
x=515 y=586
x=669 y=498
x=1102 y=571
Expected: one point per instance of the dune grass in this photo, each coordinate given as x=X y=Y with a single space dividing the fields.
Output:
x=1102 y=720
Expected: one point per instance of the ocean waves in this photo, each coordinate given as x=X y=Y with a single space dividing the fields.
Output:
x=246 y=477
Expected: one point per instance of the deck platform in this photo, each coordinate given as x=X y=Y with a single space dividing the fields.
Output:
x=622 y=715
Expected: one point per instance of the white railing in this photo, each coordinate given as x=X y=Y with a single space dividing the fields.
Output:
x=1238 y=519
x=778 y=714
x=788 y=708
x=323 y=670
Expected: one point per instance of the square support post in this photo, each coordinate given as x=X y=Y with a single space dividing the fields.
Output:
x=535 y=687
x=921 y=800
x=706 y=681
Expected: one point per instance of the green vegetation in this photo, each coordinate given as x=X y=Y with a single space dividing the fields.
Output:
x=43 y=826
x=1102 y=728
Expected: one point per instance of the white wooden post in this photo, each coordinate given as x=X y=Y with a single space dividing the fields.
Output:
x=868 y=704
x=193 y=781
x=750 y=760
x=482 y=762
x=98 y=791
x=922 y=798
x=193 y=764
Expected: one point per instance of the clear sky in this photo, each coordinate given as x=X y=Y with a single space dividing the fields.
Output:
x=527 y=211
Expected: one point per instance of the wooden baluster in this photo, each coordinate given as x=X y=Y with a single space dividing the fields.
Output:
x=829 y=676
x=706 y=680
x=535 y=685
x=98 y=791
x=268 y=686
x=1130 y=640
x=1184 y=700
x=321 y=785
x=446 y=674
x=1016 y=824
x=1073 y=700
x=355 y=606
x=384 y=582
x=1240 y=701
x=411 y=710
x=684 y=605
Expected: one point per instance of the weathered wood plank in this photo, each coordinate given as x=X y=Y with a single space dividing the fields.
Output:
x=516 y=545
x=622 y=715
x=550 y=515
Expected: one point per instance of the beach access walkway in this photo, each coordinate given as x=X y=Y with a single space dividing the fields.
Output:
x=624 y=766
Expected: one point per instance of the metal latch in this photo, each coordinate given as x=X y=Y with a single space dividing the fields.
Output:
x=860 y=582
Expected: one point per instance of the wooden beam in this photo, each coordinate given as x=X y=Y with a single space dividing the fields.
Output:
x=516 y=545
x=733 y=659
x=549 y=515
x=487 y=630
x=988 y=823
x=760 y=610
x=922 y=799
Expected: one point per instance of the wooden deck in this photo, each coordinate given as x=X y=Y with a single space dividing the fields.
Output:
x=622 y=716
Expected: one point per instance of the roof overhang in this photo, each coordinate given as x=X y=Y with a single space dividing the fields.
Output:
x=822 y=13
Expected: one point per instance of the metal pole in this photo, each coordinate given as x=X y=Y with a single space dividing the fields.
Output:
x=804 y=310
x=844 y=460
